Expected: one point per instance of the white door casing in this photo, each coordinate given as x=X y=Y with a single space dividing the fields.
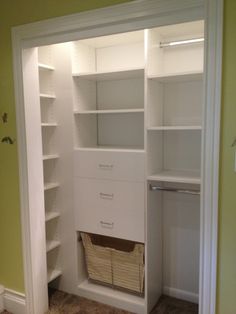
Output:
x=126 y=17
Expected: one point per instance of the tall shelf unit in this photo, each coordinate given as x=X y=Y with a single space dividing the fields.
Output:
x=121 y=122
x=50 y=158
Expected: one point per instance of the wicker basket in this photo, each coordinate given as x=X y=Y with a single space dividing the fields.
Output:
x=117 y=267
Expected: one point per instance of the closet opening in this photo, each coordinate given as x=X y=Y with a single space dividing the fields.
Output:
x=114 y=132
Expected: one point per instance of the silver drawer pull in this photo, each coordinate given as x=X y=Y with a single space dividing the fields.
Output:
x=106 y=196
x=105 y=166
x=108 y=225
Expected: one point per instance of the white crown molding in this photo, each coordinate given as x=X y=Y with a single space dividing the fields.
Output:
x=1 y=298
x=143 y=13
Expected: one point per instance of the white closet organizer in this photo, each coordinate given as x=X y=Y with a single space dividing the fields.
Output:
x=121 y=120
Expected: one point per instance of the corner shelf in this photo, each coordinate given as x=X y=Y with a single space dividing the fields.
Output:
x=52 y=124
x=50 y=157
x=51 y=245
x=51 y=215
x=46 y=67
x=111 y=149
x=53 y=274
x=112 y=111
x=49 y=186
x=177 y=176
x=178 y=77
x=47 y=96
x=111 y=75
x=175 y=128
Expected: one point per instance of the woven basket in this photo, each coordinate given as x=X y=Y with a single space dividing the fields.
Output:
x=115 y=267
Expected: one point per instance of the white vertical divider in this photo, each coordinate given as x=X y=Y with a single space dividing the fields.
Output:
x=37 y=239
x=153 y=217
x=67 y=252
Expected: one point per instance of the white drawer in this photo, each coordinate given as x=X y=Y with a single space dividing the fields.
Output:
x=114 y=208
x=128 y=166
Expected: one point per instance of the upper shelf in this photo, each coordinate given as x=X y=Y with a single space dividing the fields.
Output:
x=178 y=77
x=178 y=176
x=112 y=75
x=109 y=111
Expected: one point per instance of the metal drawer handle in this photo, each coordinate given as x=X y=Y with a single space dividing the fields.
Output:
x=108 y=225
x=106 y=196
x=105 y=166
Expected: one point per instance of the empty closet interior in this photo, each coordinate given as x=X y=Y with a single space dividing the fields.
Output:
x=121 y=120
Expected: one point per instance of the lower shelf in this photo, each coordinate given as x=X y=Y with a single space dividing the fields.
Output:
x=53 y=274
x=178 y=176
x=51 y=245
x=51 y=215
x=112 y=297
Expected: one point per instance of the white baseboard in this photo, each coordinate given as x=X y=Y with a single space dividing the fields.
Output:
x=12 y=301
x=181 y=294
x=1 y=298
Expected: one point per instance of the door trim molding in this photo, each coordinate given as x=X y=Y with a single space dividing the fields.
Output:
x=125 y=17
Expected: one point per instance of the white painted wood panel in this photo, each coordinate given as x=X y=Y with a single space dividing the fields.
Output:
x=120 y=94
x=83 y=58
x=175 y=59
x=109 y=165
x=63 y=229
x=84 y=94
x=45 y=56
x=113 y=209
x=175 y=103
x=35 y=199
x=182 y=150
x=154 y=246
x=181 y=237
x=120 y=57
x=125 y=130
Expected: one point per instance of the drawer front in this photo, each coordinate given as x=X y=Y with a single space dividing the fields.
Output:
x=128 y=166
x=114 y=209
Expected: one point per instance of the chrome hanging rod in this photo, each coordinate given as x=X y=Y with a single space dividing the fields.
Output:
x=184 y=191
x=181 y=42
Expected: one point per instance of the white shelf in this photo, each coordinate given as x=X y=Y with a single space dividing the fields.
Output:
x=53 y=124
x=50 y=157
x=52 y=274
x=47 y=96
x=191 y=177
x=51 y=245
x=51 y=215
x=46 y=67
x=111 y=148
x=109 y=111
x=177 y=127
x=133 y=303
x=112 y=75
x=49 y=186
x=178 y=77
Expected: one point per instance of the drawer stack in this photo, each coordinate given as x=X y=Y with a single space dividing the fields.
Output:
x=109 y=193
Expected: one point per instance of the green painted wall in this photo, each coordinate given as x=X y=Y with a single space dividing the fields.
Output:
x=14 y=13
x=227 y=213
